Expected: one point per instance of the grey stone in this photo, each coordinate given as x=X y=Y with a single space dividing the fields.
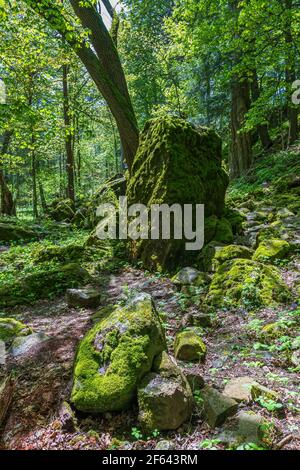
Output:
x=165 y=445
x=239 y=389
x=217 y=407
x=83 y=298
x=23 y=346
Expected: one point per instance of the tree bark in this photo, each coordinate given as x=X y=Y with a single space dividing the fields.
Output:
x=241 y=157
x=7 y=201
x=262 y=129
x=34 y=180
x=68 y=138
x=290 y=73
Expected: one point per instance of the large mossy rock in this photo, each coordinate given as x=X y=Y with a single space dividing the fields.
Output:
x=42 y=284
x=10 y=232
x=189 y=347
x=271 y=250
x=115 y=355
x=247 y=283
x=11 y=329
x=177 y=164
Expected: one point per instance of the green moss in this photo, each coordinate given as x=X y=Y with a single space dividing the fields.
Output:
x=213 y=255
x=247 y=283
x=62 y=254
x=43 y=283
x=114 y=356
x=11 y=232
x=224 y=233
x=11 y=328
x=175 y=164
x=189 y=347
x=271 y=250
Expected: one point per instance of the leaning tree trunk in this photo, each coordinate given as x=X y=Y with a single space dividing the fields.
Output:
x=241 y=157
x=7 y=201
x=68 y=138
x=102 y=61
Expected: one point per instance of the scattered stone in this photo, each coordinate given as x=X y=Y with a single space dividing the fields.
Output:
x=67 y=418
x=24 y=346
x=239 y=389
x=247 y=282
x=191 y=277
x=2 y=354
x=189 y=347
x=165 y=403
x=217 y=407
x=202 y=319
x=165 y=445
x=295 y=358
x=6 y=395
x=259 y=391
x=83 y=298
x=11 y=328
x=249 y=427
x=115 y=354
x=296 y=343
x=271 y=250
x=194 y=379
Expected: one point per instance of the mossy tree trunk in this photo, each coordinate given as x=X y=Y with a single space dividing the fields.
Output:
x=7 y=201
x=290 y=73
x=262 y=129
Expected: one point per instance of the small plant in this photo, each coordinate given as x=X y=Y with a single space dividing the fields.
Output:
x=198 y=398
x=269 y=404
x=209 y=444
x=249 y=446
x=136 y=434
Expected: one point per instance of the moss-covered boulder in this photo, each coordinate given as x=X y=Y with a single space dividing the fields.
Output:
x=214 y=254
x=176 y=164
x=11 y=328
x=115 y=355
x=189 y=346
x=10 y=232
x=62 y=210
x=271 y=250
x=247 y=283
x=63 y=254
x=43 y=283
x=224 y=233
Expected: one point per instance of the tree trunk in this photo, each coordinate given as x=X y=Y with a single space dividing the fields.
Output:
x=103 y=64
x=262 y=129
x=68 y=138
x=290 y=76
x=7 y=202
x=34 y=180
x=241 y=157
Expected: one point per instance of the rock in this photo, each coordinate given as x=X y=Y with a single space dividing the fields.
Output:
x=295 y=358
x=217 y=407
x=239 y=389
x=67 y=418
x=215 y=255
x=224 y=233
x=189 y=347
x=271 y=250
x=296 y=343
x=247 y=283
x=259 y=391
x=6 y=396
x=43 y=284
x=27 y=345
x=165 y=403
x=11 y=328
x=191 y=277
x=249 y=427
x=10 y=232
x=194 y=379
x=115 y=354
x=171 y=153
x=65 y=254
x=202 y=319
x=236 y=219
x=83 y=298
x=2 y=355
x=62 y=210
x=283 y=213
x=165 y=445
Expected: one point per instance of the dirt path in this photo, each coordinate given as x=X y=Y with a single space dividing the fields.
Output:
x=44 y=380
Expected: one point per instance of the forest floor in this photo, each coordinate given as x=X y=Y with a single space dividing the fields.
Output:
x=43 y=377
